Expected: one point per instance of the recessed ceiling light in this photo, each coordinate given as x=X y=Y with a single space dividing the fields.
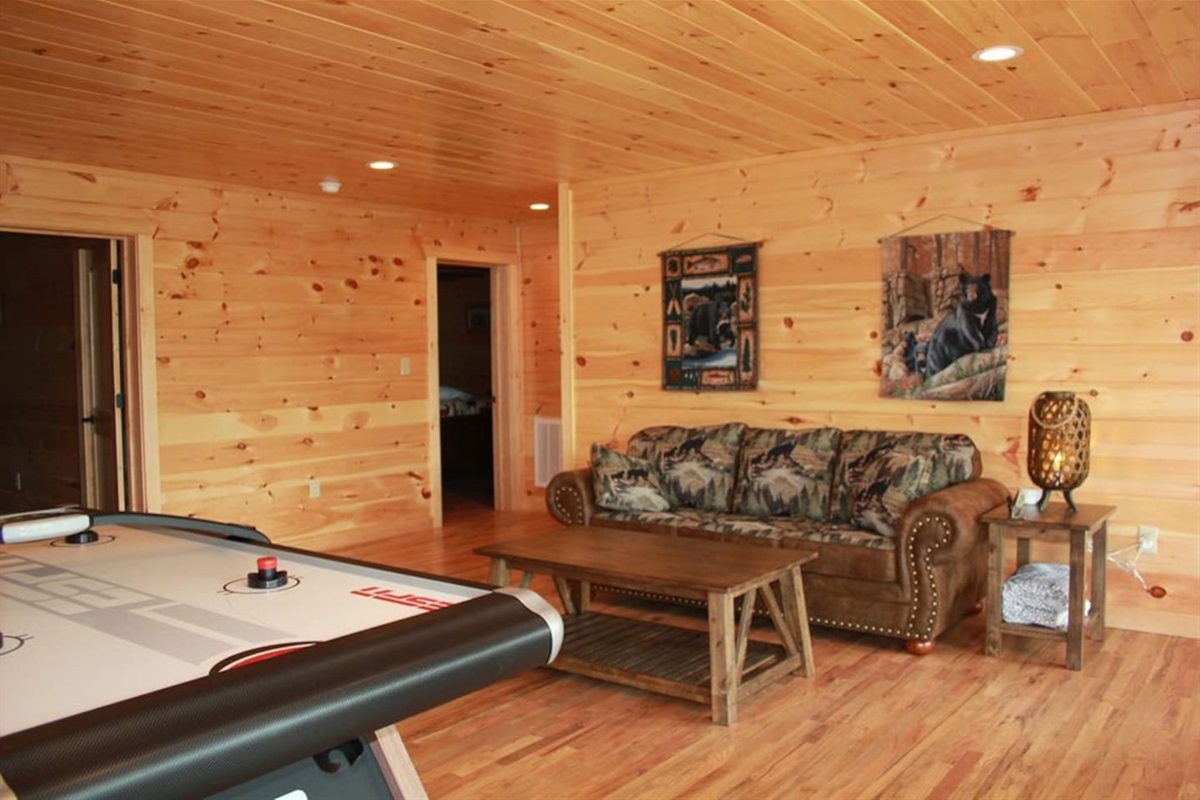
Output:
x=539 y=206
x=1001 y=52
x=331 y=186
x=381 y=165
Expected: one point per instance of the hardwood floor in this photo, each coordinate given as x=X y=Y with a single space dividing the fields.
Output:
x=875 y=722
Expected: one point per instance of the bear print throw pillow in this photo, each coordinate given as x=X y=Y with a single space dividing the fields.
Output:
x=786 y=473
x=697 y=466
x=624 y=483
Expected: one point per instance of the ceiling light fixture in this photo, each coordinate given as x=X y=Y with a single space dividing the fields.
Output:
x=331 y=186
x=381 y=165
x=539 y=206
x=1001 y=52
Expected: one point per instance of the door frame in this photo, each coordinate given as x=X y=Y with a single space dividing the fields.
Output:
x=134 y=327
x=505 y=299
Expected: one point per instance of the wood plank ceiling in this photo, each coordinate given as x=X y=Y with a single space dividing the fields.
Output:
x=485 y=105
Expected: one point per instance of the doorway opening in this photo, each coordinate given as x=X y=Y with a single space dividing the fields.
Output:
x=466 y=399
x=63 y=432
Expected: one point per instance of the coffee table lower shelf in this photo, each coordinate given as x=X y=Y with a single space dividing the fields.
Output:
x=659 y=658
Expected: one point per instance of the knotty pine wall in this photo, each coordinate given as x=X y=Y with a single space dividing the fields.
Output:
x=1105 y=301
x=541 y=347
x=280 y=324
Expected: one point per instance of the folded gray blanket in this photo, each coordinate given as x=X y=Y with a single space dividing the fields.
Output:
x=1038 y=594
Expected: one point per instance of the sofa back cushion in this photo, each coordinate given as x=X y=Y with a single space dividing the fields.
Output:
x=623 y=483
x=697 y=465
x=878 y=473
x=786 y=473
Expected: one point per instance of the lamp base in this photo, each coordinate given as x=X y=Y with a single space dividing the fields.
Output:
x=1045 y=498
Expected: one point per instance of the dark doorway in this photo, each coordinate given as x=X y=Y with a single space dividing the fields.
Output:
x=60 y=431
x=465 y=392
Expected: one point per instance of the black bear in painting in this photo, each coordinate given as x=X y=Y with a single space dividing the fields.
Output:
x=969 y=328
x=910 y=352
x=713 y=320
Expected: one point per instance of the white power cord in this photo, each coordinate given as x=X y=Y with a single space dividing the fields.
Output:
x=1122 y=559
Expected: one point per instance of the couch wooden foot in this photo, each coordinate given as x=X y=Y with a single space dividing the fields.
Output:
x=918 y=648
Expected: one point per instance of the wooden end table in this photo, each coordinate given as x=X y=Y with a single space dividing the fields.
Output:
x=719 y=668
x=1056 y=523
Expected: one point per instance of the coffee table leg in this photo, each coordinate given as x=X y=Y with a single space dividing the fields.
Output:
x=498 y=573
x=795 y=614
x=564 y=594
x=722 y=654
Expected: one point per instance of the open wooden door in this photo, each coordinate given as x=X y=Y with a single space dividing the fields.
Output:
x=98 y=355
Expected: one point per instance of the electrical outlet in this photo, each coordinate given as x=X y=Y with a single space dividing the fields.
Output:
x=1147 y=538
x=314 y=487
x=405 y=366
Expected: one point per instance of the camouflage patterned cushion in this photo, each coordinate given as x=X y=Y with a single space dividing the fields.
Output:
x=696 y=464
x=879 y=472
x=786 y=473
x=624 y=483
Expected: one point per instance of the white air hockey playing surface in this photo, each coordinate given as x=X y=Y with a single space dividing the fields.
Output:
x=147 y=611
x=87 y=625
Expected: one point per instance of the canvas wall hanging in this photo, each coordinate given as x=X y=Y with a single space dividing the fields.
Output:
x=710 y=317
x=945 y=315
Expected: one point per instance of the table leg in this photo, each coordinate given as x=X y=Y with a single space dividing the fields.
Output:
x=1099 y=577
x=1075 y=604
x=795 y=615
x=564 y=594
x=396 y=766
x=498 y=573
x=995 y=589
x=722 y=654
x=743 y=631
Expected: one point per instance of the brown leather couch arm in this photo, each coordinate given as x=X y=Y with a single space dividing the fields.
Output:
x=571 y=498
x=944 y=525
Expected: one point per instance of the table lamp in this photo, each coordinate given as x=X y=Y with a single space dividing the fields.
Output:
x=1060 y=427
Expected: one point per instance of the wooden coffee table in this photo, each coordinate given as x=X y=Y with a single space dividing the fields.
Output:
x=721 y=667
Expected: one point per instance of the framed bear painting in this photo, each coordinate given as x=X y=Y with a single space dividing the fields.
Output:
x=710 y=318
x=945 y=315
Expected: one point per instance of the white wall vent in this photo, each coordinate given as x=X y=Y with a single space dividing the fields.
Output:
x=547 y=449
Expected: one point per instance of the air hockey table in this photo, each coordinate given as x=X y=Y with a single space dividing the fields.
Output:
x=148 y=656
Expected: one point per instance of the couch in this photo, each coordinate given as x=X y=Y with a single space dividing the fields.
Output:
x=894 y=516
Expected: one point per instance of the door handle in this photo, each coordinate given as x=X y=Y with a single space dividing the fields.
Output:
x=90 y=420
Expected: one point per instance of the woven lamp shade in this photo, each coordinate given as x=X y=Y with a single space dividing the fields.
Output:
x=1060 y=432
